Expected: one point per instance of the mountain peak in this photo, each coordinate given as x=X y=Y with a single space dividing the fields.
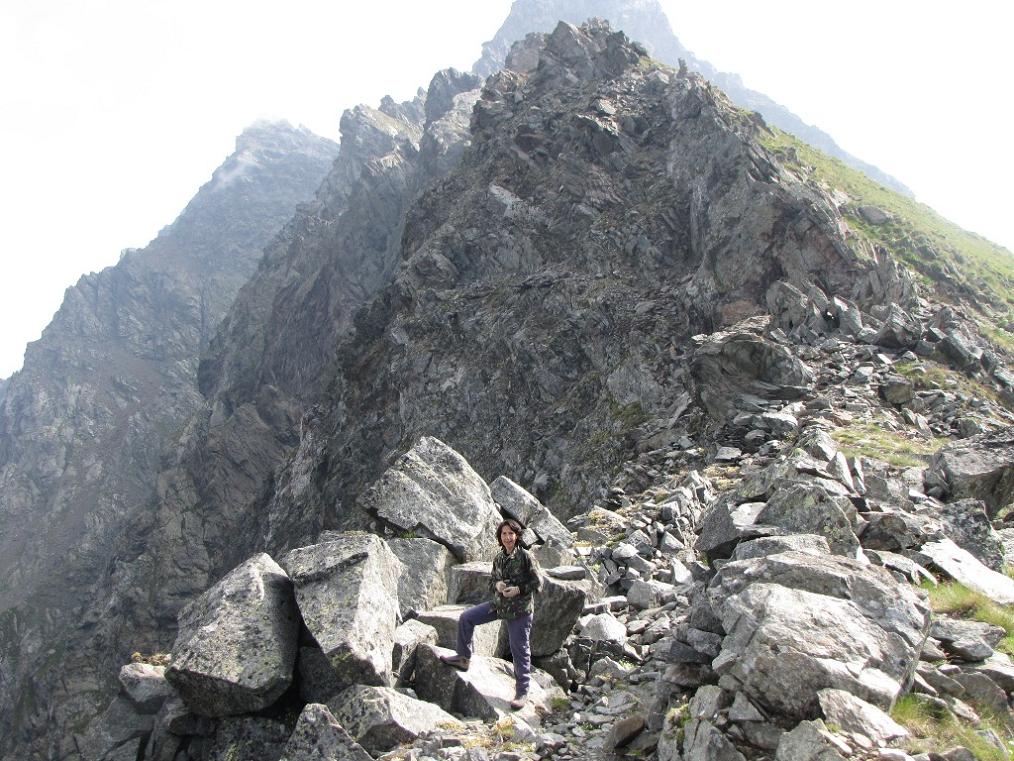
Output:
x=646 y=22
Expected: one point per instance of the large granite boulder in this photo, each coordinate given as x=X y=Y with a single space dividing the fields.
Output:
x=783 y=645
x=517 y=503
x=470 y=583
x=727 y=524
x=236 y=644
x=432 y=491
x=146 y=685
x=739 y=361
x=808 y=508
x=557 y=609
x=484 y=691
x=811 y=544
x=407 y=639
x=970 y=528
x=424 y=581
x=488 y=639
x=964 y=567
x=981 y=467
x=318 y=681
x=896 y=608
x=380 y=718
x=244 y=737
x=347 y=592
x=858 y=718
x=319 y=737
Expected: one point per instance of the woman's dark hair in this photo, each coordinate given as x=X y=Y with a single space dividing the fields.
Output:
x=516 y=527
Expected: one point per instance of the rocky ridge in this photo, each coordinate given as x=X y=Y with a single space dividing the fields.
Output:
x=624 y=366
x=645 y=21
x=787 y=475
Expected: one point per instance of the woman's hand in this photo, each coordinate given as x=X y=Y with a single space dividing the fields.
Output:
x=500 y=587
x=511 y=591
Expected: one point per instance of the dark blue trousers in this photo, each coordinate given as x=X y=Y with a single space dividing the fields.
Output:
x=519 y=632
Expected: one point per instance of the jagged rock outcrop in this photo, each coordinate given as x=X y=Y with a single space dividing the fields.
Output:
x=110 y=383
x=645 y=21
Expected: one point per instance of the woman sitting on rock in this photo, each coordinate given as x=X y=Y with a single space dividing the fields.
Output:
x=513 y=583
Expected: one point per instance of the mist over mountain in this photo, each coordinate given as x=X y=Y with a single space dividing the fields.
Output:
x=577 y=268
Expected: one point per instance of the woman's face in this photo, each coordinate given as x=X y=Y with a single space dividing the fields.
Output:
x=508 y=538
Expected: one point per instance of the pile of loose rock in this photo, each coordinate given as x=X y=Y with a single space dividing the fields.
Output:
x=343 y=638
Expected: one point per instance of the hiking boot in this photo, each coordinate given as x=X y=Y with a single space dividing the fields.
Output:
x=519 y=701
x=459 y=662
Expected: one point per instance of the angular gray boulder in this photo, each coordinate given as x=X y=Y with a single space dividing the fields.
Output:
x=810 y=509
x=319 y=737
x=407 y=639
x=812 y=544
x=486 y=639
x=858 y=718
x=981 y=467
x=783 y=645
x=739 y=361
x=557 y=609
x=347 y=592
x=470 y=583
x=810 y=741
x=146 y=686
x=484 y=691
x=515 y=502
x=432 y=491
x=894 y=607
x=727 y=524
x=380 y=718
x=423 y=583
x=963 y=566
x=236 y=645
x=969 y=527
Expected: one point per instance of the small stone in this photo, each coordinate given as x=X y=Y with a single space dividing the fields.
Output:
x=625 y=730
x=728 y=454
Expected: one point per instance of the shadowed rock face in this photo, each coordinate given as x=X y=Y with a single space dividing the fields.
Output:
x=605 y=212
x=645 y=21
x=109 y=384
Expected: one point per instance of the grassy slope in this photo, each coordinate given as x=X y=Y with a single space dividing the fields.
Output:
x=958 y=265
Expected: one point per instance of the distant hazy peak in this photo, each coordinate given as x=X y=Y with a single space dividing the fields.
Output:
x=642 y=20
x=265 y=135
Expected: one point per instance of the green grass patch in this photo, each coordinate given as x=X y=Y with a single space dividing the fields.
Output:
x=927 y=374
x=934 y=728
x=958 y=264
x=899 y=448
x=958 y=600
x=629 y=415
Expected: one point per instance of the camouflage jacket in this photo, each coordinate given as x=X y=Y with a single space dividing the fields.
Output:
x=518 y=569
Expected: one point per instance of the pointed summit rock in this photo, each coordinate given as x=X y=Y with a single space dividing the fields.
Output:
x=646 y=22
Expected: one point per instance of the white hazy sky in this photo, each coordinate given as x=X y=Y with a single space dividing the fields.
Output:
x=114 y=112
